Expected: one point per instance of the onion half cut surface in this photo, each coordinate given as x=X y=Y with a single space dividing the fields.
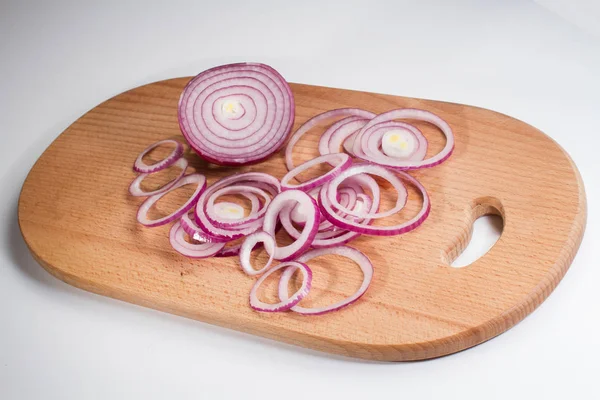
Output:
x=236 y=114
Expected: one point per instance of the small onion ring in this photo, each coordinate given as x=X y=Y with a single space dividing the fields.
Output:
x=280 y=202
x=192 y=250
x=142 y=217
x=135 y=188
x=289 y=301
x=248 y=245
x=341 y=162
x=358 y=257
x=140 y=166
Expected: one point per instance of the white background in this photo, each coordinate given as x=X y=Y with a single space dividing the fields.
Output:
x=58 y=60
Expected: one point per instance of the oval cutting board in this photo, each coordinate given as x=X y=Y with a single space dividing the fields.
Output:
x=79 y=222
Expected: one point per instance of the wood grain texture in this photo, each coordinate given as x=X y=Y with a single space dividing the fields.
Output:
x=79 y=222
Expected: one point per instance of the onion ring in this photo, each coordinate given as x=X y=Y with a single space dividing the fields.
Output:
x=358 y=257
x=142 y=217
x=289 y=301
x=135 y=188
x=140 y=166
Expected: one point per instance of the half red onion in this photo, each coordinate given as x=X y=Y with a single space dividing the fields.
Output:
x=236 y=114
x=359 y=258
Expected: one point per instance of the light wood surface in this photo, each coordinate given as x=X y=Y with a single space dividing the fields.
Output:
x=79 y=223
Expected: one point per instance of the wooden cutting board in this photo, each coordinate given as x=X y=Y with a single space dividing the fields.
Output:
x=79 y=222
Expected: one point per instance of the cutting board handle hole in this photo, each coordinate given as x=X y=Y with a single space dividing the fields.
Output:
x=486 y=222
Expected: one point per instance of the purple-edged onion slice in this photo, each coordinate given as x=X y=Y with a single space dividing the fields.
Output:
x=314 y=121
x=361 y=227
x=142 y=215
x=391 y=177
x=194 y=231
x=414 y=114
x=234 y=232
x=338 y=133
x=311 y=226
x=248 y=245
x=289 y=301
x=340 y=161
x=226 y=214
x=193 y=250
x=135 y=188
x=359 y=258
x=140 y=166
x=236 y=114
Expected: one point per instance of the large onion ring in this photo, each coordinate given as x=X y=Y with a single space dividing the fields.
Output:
x=363 y=262
x=289 y=301
x=363 y=228
x=142 y=215
x=308 y=125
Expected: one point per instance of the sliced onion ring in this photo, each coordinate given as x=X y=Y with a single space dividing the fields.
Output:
x=330 y=214
x=328 y=238
x=289 y=301
x=391 y=177
x=194 y=231
x=308 y=125
x=140 y=166
x=142 y=215
x=416 y=114
x=248 y=245
x=340 y=161
x=281 y=201
x=135 y=188
x=193 y=250
x=372 y=142
x=363 y=262
x=337 y=134
x=256 y=178
x=255 y=213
